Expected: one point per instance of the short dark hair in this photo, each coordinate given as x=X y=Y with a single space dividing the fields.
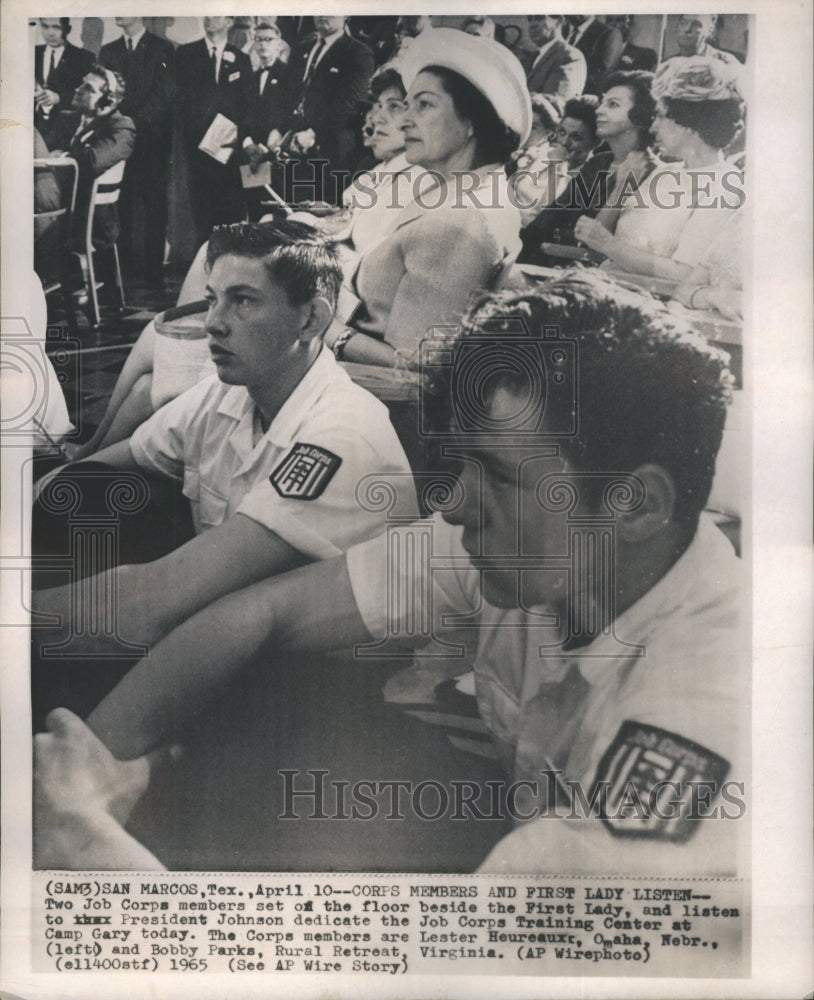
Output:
x=639 y=83
x=385 y=78
x=648 y=389
x=716 y=122
x=494 y=140
x=583 y=108
x=64 y=25
x=296 y=256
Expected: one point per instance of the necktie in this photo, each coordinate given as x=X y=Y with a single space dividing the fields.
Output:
x=316 y=54
x=264 y=75
x=50 y=78
x=129 y=45
x=214 y=61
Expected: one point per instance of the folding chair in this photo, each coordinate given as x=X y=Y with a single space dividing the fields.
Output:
x=105 y=191
x=66 y=174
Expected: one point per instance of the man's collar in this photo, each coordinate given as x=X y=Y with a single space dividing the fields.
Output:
x=236 y=402
x=135 y=38
x=218 y=46
x=329 y=40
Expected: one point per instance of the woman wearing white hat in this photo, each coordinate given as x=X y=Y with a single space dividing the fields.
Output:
x=666 y=229
x=468 y=108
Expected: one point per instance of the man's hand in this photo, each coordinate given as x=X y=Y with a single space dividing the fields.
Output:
x=46 y=98
x=275 y=140
x=593 y=235
x=83 y=795
x=728 y=301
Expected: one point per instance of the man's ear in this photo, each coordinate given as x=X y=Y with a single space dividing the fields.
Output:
x=655 y=512
x=317 y=318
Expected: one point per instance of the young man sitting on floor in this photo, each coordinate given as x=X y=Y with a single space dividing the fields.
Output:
x=270 y=450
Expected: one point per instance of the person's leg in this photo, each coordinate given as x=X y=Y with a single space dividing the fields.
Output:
x=136 y=407
x=155 y=210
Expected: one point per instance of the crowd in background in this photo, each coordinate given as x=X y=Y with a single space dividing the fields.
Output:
x=301 y=122
x=421 y=164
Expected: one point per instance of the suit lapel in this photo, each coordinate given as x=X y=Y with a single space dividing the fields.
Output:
x=331 y=58
x=543 y=67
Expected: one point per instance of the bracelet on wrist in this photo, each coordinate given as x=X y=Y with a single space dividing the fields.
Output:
x=339 y=345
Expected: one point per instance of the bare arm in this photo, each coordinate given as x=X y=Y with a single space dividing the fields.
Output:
x=82 y=796
x=310 y=609
x=594 y=235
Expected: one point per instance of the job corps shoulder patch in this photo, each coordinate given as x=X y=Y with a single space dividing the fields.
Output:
x=653 y=783
x=305 y=472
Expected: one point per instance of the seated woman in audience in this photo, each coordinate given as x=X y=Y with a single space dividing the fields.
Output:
x=439 y=249
x=665 y=227
x=717 y=282
x=544 y=170
x=622 y=161
x=468 y=108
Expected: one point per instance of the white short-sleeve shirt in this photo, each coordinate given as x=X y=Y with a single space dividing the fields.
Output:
x=304 y=478
x=671 y=676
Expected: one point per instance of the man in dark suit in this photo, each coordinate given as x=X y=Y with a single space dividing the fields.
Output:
x=332 y=78
x=212 y=77
x=555 y=68
x=58 y=69
x=145 y=62
x=600 y=44
x=98 y=136
x=633 y=56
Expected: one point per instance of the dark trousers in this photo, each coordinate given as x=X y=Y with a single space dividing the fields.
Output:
x=215 y=192
x=89 y=519
x=143 y=206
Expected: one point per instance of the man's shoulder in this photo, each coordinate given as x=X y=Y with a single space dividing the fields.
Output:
x=348 y=45
x=334 y=383
x=156 y=43
x=113 y=123
x=701 y=601
x=83 y=57
x=340 y=406
x=116 y=47
x=191 y=50
x=599 y=32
